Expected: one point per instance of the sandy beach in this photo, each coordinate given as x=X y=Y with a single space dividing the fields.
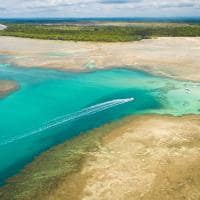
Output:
x=142 y=157
x=170 y=56
x=2 y=27
x=7 y=87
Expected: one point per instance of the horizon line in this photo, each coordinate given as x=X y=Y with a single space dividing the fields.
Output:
x=147 y=17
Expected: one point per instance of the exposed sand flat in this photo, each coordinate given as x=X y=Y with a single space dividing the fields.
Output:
x=2 y=27
x=145 y=157
x=6 y=87
x=171 y=56
x=122 y=23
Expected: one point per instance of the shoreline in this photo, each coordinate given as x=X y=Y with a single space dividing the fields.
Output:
x=123 y=152
x=172 y=57
x=159 y=154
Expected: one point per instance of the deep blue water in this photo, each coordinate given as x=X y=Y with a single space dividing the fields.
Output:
x=122 y=19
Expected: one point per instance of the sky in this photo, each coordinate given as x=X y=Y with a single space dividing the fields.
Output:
x=99 y=8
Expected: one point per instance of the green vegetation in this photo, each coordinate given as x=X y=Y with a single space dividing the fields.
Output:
x=109 y=33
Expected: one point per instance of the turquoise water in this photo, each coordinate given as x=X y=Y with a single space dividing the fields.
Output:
x=52 y=106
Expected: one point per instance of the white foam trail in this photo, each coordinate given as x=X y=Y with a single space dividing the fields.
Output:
x=71 y=117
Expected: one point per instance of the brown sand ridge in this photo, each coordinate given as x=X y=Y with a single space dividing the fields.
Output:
x=6 y=87
x=176 y=57
x=143 y=157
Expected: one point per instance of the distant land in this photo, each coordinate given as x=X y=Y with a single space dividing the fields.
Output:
x=101 y=29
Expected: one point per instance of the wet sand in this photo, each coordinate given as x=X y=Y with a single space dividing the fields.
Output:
x=6 y=87
x=176 y=57
x=140 y=157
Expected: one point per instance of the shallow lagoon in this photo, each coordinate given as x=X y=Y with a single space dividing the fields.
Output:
x=52 y=106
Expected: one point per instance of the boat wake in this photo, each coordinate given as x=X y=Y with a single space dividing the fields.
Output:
x=71 y=117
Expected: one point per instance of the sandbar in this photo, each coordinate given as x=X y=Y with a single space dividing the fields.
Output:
x=176 y=57
x=6 y=87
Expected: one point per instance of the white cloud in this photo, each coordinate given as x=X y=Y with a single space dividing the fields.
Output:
x=98 y=8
